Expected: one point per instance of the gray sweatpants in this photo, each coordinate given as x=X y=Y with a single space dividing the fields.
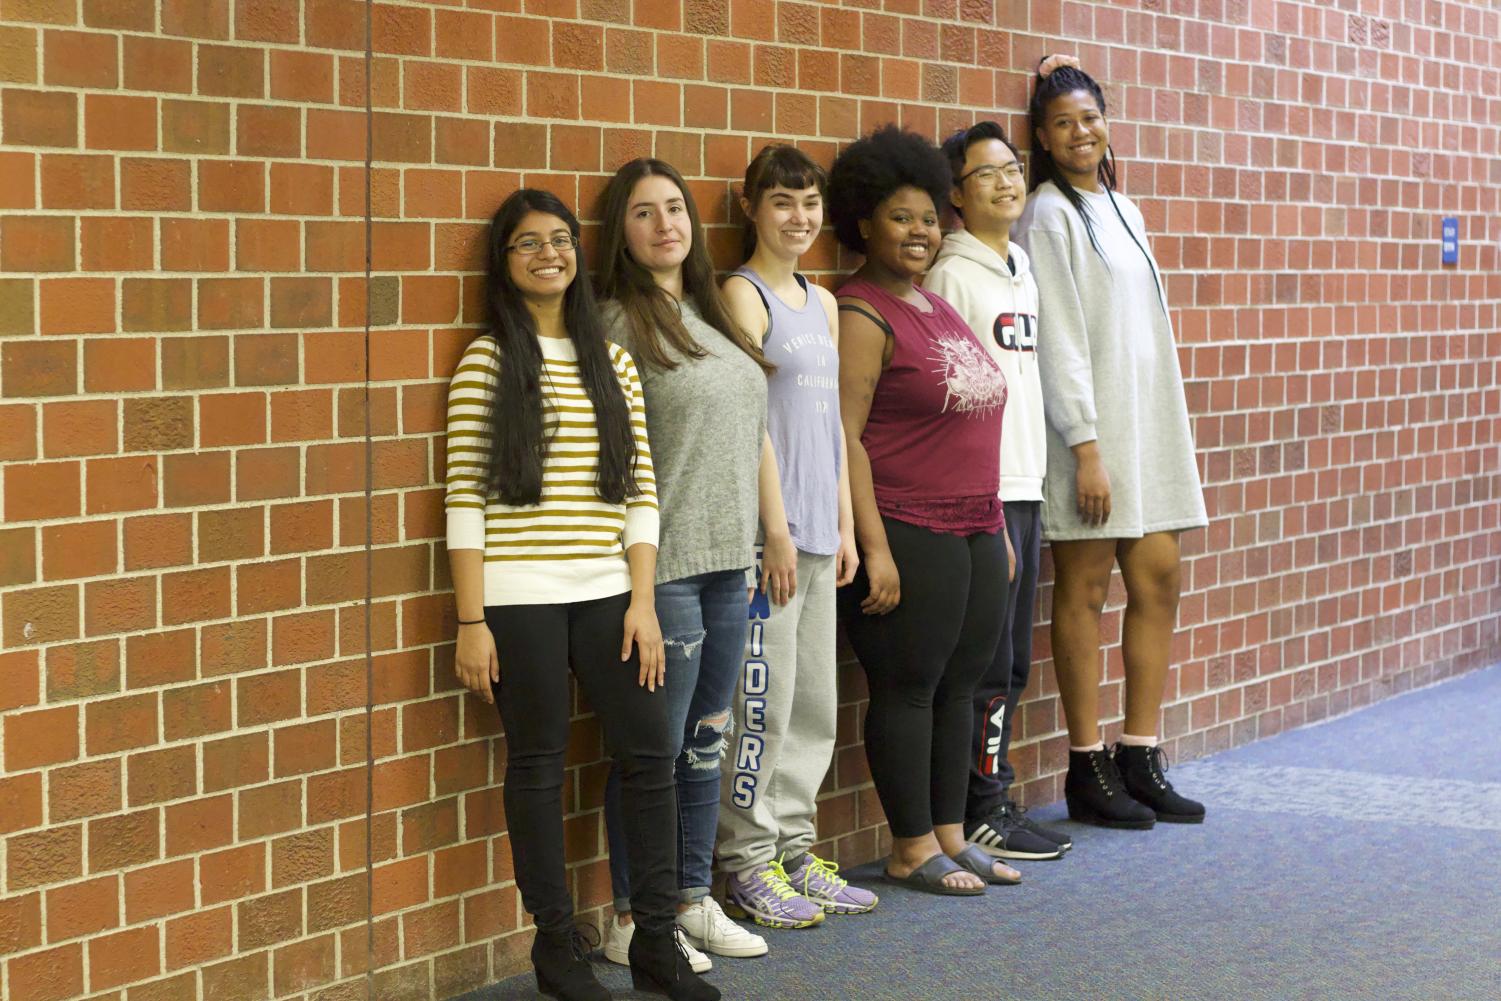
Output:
x=785 y=709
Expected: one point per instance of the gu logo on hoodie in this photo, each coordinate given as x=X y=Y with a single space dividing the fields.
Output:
x=1016 y=331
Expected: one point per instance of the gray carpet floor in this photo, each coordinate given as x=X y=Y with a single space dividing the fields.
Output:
x=1356 y=859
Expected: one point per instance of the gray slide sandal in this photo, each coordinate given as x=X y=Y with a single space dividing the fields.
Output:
x=973 y=859
x=928 y=878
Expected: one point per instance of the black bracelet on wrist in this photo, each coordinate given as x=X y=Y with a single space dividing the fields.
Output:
x=470 y=622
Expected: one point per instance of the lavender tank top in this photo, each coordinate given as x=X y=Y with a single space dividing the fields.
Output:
x=802 y=415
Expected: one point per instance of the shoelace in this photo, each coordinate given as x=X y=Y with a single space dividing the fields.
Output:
x=680 y=941
x=1110 y=779
x=775 y=879
x=719 y=927
x=583 y=940
x=829 y=871
x=1158 y=763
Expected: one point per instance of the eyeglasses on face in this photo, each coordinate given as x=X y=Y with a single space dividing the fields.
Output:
x=562 y=243
x=990 y=173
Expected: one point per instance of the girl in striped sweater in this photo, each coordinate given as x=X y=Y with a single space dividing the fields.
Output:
x=552 y=538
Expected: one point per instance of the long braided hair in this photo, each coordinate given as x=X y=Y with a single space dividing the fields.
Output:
x=1066 y=80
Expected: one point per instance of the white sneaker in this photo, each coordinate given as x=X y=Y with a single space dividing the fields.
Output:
x=708 y=928
x=618 y=946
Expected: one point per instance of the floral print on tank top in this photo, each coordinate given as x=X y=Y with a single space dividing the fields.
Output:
x=973 y=383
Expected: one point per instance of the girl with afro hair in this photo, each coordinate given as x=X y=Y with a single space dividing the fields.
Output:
x=921 y=402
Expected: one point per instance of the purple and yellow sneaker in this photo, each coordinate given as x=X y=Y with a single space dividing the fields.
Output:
x=766 y=897
x=820 y=882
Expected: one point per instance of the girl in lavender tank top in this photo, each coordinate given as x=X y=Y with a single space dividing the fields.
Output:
x=786 y=699
x=922 y=404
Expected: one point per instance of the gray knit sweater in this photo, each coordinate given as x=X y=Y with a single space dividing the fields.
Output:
x=1109 y=370
x=705 y=420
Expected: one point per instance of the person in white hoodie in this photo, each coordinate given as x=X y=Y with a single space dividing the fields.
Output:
x=988 y=279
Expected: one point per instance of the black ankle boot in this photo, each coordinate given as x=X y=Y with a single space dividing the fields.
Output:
x=1143 y=772
x=659 y=965
x=1095 y=794
x=561 y=960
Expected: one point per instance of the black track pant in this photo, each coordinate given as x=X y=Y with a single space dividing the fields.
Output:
x=537 y=645
x=922 y=661
x=1001 y=687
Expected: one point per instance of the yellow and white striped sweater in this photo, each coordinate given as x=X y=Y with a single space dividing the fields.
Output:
x=570 y=546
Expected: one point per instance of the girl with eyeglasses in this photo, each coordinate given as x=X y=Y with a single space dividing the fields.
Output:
x=552 y=538
x=1122 y=479
x=705 y=387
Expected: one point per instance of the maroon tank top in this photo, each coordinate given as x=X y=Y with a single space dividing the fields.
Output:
x=934 y=431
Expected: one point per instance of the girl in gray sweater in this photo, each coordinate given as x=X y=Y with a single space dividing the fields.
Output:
x=705 y=386
x=1122 y=480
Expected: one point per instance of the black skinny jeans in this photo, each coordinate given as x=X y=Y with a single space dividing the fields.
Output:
x=537 y=644
x=922 y=661
x=1000 y=689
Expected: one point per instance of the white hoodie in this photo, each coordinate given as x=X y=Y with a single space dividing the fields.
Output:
x=1000 y=306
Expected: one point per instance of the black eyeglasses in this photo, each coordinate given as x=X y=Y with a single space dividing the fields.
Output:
x=990 y=172
x=562 y=243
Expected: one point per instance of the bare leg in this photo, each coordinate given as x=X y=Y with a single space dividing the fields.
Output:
x=1151 y=568
x=908 y=854
x=1080 y=581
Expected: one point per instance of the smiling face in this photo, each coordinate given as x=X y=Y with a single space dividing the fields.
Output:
x=786 y=219
x=994 y=190
x=1074 y=132
x=658 y=233
x=902 y=234
x=547 y=273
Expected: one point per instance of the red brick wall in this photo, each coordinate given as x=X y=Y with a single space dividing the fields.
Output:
x=186 y=396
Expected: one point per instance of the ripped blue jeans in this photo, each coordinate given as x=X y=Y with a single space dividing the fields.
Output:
x=703 y=620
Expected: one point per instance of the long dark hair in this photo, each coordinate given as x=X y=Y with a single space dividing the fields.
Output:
x=651 y=311
x=778 y=164
x=518 y=440
x=1066 y=80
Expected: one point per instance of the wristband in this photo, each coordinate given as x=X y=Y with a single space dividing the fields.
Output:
x=471 y=622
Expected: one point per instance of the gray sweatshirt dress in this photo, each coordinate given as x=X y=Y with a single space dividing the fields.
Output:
x=1109 y=370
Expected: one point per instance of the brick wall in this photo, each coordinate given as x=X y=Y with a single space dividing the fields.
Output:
x=195 y=362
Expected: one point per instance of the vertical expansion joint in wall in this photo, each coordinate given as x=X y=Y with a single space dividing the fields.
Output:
x=369 y=530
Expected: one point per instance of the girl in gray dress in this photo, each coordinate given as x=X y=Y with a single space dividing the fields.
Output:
x=1122 y=480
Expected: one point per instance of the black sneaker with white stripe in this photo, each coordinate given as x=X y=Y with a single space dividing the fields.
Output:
x=1019 y=818
x=1006 y=832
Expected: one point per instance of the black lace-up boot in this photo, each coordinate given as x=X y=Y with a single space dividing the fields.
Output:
x=561 y=959
x=659 y=965
x=1095 y=794
x=1144 y=773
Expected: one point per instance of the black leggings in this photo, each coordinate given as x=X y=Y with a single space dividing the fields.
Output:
x=537 y=644
x=922 y=660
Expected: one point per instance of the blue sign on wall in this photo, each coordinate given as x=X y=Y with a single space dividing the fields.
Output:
x=1450 y=240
